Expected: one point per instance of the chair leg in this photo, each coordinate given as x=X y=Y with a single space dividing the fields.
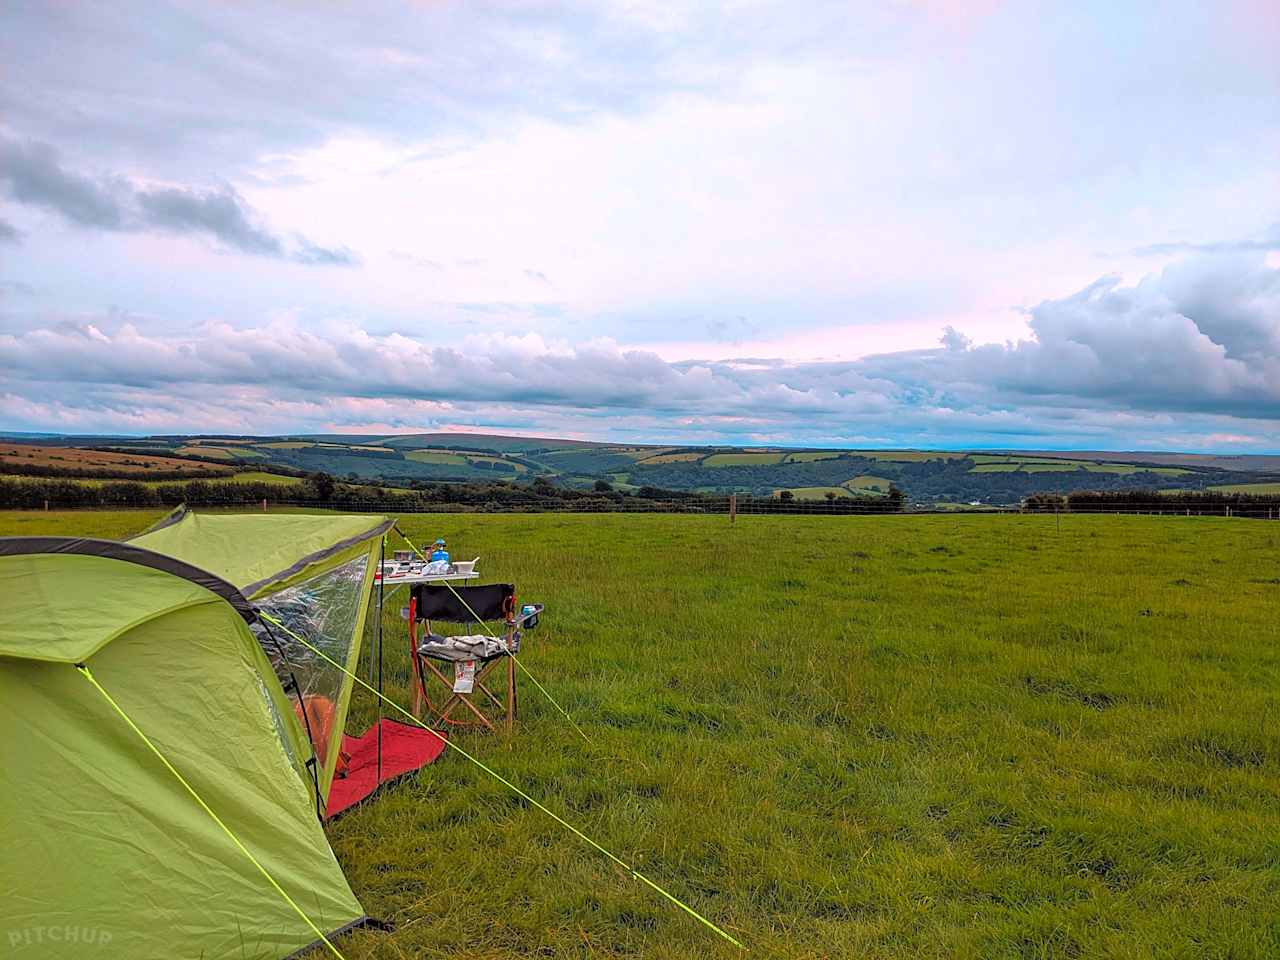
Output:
x=511 y=694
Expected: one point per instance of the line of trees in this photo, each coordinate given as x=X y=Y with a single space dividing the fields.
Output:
x=19 y=468
x=321 y=488
x=1197 y=503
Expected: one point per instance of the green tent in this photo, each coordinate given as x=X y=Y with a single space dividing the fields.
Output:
x=105 y=845
x=312 y=572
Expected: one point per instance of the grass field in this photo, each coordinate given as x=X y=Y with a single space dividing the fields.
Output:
x=1255 y=488
x=89 y=461
x=742 y=459
x=1015 y=465
x=812 y=456
x=867 y=483
x=815 y=493
x=891 y=737
x=436 y=456
x=686 y=457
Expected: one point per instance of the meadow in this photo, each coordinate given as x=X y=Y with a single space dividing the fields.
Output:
x=901 y=736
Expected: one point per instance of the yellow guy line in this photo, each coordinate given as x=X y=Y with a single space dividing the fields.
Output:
x=521 y=666
x=84 y=671
x=503 y=780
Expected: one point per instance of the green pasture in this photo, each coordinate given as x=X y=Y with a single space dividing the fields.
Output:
x=243 y=476
x=993 y=464
x=743 y=459
x=810 y=456
x=1254 y=488
x=866 y=482
x=815 y=493
x=436 y=456
x=1007 y=737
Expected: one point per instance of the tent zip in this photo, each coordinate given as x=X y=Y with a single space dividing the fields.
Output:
x=302 y=711
x=88 y=675
x=636 y=874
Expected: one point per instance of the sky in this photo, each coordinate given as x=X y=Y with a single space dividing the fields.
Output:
x=929 y=223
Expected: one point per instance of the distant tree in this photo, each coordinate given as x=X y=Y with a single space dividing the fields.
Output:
x=830 y=495
x=786 y=495
x=603 y=486
x=895 y=498
x=323 y=485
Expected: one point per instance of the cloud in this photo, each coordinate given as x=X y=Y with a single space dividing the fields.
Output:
x=1203 y=336
x=311 y=253
x=9 y=233
x=219 y=213
x=1196 y=347
x=1269 y=240
x=35 y=176
x=414 y=260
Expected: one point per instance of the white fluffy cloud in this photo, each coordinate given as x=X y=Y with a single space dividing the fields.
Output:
x=1182 y=352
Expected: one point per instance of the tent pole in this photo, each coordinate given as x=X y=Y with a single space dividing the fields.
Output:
x=382 y=556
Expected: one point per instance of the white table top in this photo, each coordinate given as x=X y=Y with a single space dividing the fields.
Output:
x=395 y=579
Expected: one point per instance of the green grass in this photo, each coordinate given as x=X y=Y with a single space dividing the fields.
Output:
x=742 y=459
x=908 y=456
x=867 y=482
x=434 y=456
x=815 y=493
x=809 y=456
x=244 y=476
x=1258 y=488
x=1012 y=465
x=258 y=476
x=890 y=737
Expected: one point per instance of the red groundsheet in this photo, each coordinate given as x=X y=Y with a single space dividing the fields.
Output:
x=404 y=749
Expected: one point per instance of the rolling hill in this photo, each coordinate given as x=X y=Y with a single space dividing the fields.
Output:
x=411 y=460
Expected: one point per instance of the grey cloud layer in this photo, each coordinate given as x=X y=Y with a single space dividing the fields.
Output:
x=1201 y=339
x=34 y=175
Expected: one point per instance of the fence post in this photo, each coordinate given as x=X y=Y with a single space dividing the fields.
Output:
x=733 y=508
x=264 y=504
x=46 y=506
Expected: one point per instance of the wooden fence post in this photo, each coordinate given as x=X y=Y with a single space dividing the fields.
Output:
x=733 y=508
x=46 y=506
x=264 y=504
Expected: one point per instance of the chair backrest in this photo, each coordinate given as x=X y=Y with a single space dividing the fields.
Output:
x=493 y=601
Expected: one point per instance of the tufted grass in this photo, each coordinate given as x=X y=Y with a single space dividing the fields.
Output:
x=969 y=736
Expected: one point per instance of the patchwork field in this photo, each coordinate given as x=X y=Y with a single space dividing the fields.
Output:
x=924 y=476
x=903 y=737
x=90 y=461
x=1254 y=488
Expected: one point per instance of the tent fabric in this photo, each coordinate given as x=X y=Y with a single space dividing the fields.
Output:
x=87 y=546
x=64 y=608
x=404 y=750
x=313 y=572
x=101 y=840
x=260 y=553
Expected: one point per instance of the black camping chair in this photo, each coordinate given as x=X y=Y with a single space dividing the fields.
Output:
x=476 y=606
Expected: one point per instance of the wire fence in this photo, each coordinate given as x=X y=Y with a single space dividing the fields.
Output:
x=748 y=506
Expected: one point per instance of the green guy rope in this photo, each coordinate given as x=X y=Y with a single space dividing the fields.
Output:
x=523 y=669
x=84 y=672
x=507 y=783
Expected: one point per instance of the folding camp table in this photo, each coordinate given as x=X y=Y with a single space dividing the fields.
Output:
x=391 y=578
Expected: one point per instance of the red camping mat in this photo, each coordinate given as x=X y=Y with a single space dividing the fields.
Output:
x=404 y=749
